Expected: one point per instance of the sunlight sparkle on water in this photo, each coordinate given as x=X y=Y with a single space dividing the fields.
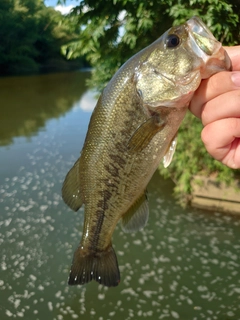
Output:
x=184 y=261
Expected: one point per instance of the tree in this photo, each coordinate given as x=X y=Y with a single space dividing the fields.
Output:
x=31 y=35
x=113 y=30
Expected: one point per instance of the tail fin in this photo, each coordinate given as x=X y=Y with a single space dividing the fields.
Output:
x=99 y=266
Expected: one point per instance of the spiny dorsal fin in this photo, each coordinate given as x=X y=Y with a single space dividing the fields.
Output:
x=145 y=132
x=71 y=188
x=137 y=216
x=99 y=266
x=167 y=159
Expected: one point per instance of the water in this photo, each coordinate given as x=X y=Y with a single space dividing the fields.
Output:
x=183 y=265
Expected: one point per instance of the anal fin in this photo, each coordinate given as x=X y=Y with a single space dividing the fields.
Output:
x=99 y=266
x=137 y=216
x=71 y=188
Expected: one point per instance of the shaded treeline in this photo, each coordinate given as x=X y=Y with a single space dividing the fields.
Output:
x=31 y=36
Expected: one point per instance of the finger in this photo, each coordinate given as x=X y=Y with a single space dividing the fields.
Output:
x=234 y=54
x=222 y=141
x=213 y=87
x=226 y=105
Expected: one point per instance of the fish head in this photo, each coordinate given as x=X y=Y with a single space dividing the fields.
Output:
x=174 y=65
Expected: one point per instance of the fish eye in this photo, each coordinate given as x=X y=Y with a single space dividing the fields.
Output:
x=172 y=41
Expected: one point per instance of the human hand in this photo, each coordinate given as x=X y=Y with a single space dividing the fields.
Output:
x=217 y=104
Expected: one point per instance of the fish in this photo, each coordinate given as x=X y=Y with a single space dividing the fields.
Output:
x=132 y=128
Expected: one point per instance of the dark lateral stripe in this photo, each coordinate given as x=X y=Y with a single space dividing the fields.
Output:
x=118 y=159
x=96 y=229
x=112 y=169
x=102 y=206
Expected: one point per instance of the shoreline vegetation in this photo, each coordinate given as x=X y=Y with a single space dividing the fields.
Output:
x=192 y=163
x=32 y=36
x=103 y=35
x=51 y=66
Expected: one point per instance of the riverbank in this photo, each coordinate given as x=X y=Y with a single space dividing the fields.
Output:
x=208 y=193
x=50 y=66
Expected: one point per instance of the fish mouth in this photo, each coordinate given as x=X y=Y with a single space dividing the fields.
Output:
x=203 y=41
x=205 y=45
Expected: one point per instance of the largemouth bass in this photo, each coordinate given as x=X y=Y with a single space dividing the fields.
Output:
x=134 y=126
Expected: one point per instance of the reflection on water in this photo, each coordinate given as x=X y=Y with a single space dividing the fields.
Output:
x=183 y=265
x=28 y=102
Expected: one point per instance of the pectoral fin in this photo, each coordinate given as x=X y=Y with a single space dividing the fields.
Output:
x=145 y=132
x=137 y=216
x=167 y=159
x=71 y=193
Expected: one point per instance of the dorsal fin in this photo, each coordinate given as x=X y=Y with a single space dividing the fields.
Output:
x=71 y=193
x=137 y=216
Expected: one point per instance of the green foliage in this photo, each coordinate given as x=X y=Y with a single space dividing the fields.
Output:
x=191 y=159
x=31 y=35
x=114 y=30
x=222 y=17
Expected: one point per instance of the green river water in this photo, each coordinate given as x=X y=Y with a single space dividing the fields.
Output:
x=184 y=265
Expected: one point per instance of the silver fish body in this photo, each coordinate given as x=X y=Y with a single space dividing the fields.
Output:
x=134 y=126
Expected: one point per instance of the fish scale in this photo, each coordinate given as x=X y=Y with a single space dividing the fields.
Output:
x=133 y=126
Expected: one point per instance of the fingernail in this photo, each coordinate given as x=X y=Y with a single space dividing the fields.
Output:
x=236 y=78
